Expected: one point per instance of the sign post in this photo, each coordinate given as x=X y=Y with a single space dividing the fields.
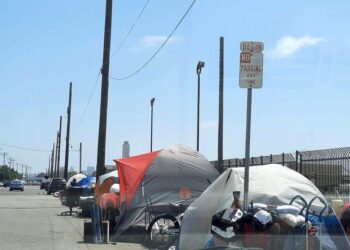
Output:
x=250 y=76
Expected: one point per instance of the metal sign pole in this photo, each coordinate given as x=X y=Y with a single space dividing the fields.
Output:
x=250 y=76
x=247 y=149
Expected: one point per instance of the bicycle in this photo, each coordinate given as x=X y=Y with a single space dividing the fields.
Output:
x=59 y=194
x=163 y=230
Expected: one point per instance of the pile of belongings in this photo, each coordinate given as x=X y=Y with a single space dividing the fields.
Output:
x=266 y=227
x=288 y=212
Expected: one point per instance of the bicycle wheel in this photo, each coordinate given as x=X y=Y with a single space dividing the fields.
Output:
x=162 y=232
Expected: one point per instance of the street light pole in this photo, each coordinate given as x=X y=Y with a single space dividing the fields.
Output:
x=152 y=104
x=200 y=65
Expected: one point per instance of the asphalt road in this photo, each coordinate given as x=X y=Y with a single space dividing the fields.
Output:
x=32 y=220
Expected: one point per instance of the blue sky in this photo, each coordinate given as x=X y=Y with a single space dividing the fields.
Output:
x=46 y=44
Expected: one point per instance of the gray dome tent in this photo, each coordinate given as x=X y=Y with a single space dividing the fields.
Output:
x=176 y=174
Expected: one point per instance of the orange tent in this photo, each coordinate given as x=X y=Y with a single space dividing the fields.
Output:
x=131 y=171
x=104 y=183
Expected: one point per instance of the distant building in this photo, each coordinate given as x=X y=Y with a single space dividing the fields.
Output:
x=90 y=170
x=126 y=149
x=110 y=168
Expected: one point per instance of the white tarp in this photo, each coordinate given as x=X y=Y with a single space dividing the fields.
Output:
x=104 y=177
x=271 y=184
x=77 y=177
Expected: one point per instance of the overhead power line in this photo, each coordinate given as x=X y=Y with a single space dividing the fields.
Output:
x=99 y=72
x=28 y=149
x=24 y=148
x=130 y=30
x=87 y=104
x=157 y=51
x=84 y=148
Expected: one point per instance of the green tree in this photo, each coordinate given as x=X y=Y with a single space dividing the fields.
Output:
x=42 y=174
x=7 y=173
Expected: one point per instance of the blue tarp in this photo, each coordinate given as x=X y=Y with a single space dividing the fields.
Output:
x=87 y=184
x=87 y=181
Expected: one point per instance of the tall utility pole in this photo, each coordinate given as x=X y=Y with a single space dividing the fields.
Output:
x=49 y=167
x=26 y=173
x=200 y=65
x=11 y=160
x=152 y=104
x=101 y=149
x=65 y=175
x=52 y=159
x=80 y=155
x=59 y=146
x=10 y=164
x=3 y=167
x=55 y=170
x=4 y=154
x=221 y=106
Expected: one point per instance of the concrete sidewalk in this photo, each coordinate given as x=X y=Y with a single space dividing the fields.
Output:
x=32 y=220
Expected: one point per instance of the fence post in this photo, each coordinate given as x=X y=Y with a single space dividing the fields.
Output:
x=252 y=161
x=283 y=159
x=261 y=160
x=270 y=158
x=296 y=160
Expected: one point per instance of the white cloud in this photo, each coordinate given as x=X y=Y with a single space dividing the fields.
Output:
x=150 y=41
x=288 y=45
x=209 y=124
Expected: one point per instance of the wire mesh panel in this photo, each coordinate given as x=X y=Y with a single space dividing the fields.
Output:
x=328 y=169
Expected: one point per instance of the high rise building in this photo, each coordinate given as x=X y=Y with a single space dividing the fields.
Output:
x=126 y=149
